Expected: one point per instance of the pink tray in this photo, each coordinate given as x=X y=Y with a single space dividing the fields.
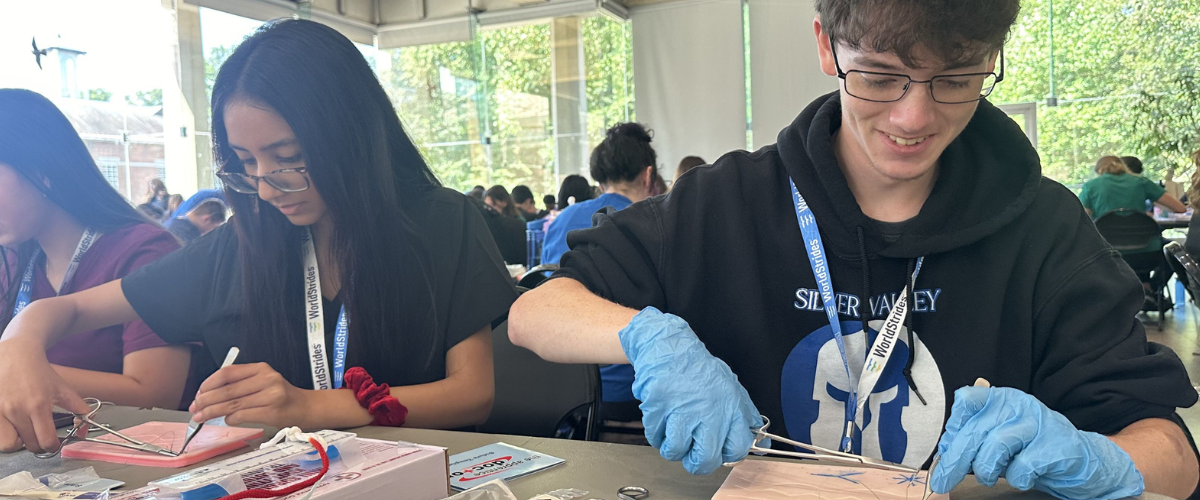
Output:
x=210 y=442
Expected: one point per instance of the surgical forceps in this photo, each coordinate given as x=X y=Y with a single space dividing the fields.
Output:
x=82 y=422
x=817 y=452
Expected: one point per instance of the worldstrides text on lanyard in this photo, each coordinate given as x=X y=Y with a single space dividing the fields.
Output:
x=25 y=292
x=885 y=342
x=314 y=312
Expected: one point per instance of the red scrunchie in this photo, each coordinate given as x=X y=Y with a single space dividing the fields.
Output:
x=380 y=403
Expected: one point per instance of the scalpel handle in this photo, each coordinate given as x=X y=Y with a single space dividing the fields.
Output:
x=979 y=382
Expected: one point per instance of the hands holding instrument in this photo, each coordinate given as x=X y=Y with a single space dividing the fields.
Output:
x=1003 y=432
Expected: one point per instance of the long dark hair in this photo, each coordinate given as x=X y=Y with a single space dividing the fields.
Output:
x=366 y=169
x=38 y=141
x=576 y=186
x=500 y=194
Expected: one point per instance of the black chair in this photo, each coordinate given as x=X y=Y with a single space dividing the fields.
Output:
x=535 y=397
x=1185 y=266
x=1139 y=239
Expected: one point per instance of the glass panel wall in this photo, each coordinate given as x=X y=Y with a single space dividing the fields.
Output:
x=1123 y=78
x=484 y=111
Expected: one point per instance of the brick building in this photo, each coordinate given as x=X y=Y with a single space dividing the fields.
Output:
x=126 y=142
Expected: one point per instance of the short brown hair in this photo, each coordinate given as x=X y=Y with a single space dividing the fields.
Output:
x=688 y=163
x=1111 y=165
x=951 y=30
x=213 y=208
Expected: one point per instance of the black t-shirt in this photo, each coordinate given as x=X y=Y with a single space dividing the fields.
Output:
x=195 y=294
x=509 y=233
x=183 y=229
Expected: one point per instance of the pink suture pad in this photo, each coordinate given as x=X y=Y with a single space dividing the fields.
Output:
x=768 y=480
x=211 y=441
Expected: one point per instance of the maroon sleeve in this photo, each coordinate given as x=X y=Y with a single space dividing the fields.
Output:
x=144 y=244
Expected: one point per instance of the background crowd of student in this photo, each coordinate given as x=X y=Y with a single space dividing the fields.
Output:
x=624 y=167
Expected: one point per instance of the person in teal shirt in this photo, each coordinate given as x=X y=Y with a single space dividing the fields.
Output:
x=1116 y=188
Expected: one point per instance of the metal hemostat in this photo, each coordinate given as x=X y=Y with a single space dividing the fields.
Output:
x=86 y=420
x=817 y=452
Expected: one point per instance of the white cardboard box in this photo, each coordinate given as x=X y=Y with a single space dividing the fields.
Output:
x=390 y=469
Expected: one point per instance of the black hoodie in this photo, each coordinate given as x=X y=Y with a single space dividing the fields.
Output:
x=1016 y=287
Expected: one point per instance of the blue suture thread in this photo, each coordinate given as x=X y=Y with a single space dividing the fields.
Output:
x=843 y=476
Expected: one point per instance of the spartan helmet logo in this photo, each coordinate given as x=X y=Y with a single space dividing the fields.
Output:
x=895 y=426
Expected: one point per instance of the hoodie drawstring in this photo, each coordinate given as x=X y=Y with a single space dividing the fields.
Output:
x=865 y=297
x=908 y=324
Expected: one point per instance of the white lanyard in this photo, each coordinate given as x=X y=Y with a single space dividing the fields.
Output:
x=314 y=313
x=885 y=342
x=25 y=292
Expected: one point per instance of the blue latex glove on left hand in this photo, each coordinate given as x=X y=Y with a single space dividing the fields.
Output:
x=693 y=407
x=1002 y=431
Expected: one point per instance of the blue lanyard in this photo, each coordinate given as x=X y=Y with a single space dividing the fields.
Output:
x=340 y=338
x=818 y=260
x=25 y=289
x=25 y=292
x=315 y=316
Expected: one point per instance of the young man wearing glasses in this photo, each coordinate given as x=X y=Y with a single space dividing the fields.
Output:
x=907 y=207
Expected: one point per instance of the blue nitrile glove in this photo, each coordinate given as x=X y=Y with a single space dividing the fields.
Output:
x=693 y=407
x=1002 y=431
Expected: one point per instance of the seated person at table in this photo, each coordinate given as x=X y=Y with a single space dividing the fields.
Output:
x=1134 y=164
x=574 y=189
x=64 y=229
x=1116 y=188
x=1192 y=243
x=686 y=164
x=498 y=198
x=200 y=197
x=919 y=249
x=507 y=232
x=198 y=221
x=526 y=207
x=341 y=236
x=157 y=199
x=623 y=164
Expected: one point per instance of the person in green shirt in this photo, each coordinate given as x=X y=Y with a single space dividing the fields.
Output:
x=1116 y=188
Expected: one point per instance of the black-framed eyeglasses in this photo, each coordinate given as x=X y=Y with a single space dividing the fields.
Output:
x=287 y=180
x=891 y=87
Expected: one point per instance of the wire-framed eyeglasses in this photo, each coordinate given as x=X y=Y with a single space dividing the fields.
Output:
x=287 y=180
x=891 y=87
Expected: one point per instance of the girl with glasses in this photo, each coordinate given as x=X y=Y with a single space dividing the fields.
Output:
x=346 y=264
x=64 y=229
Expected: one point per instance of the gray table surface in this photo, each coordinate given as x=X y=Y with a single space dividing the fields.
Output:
x=600 y=468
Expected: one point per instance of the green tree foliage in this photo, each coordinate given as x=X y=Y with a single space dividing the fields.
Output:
x=481 y=111
x=99 y=95
x=148 y=98
x=1125 y=73
x=608 y=50
x=212 y=64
